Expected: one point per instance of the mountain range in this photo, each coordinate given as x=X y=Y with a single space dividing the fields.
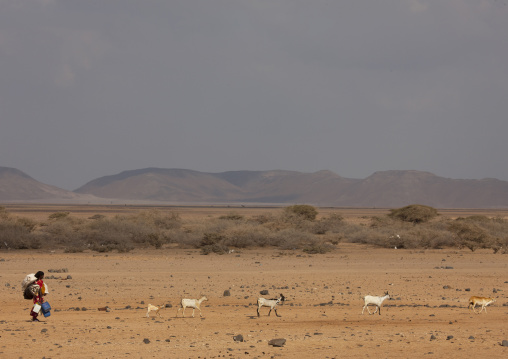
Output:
x=386 y=189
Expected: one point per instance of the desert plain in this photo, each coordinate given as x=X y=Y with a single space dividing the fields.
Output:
x=426 y=316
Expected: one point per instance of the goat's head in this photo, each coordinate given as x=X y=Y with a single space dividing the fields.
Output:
x=282 y=298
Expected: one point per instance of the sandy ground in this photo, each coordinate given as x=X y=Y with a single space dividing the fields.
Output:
x=320 y=319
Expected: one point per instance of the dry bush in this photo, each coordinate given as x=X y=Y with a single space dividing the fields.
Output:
x=58 y=215
x=102 y=241
x=415 y=213
x=287 y=229
x=333 y=224
x=302 y=210
x=480 y=232
x=129 y=230
x=232 y=217
x=262 y=218
x=3 y=213
x=17 y=236
x=216 y=248
x=28 y=223
x=290 y=239
x=247 y=235
x=154 y=218
x=317 y=246
x=433 y=235
x=470 y=235
x=97 y=216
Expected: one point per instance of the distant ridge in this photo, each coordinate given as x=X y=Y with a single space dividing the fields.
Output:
x=16 y=186
x=386 y=189
x=323 y=188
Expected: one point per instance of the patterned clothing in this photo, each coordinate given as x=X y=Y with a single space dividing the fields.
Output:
x=37 y=298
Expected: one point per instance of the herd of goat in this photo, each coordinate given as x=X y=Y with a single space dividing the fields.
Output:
x=369 y=300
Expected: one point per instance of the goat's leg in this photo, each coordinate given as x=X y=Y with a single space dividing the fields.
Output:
x=270 y=311
x=147 y=313
x=363 y=309
x=193 y=309
x=277 y=314
x=379 y=310
x=199 y=312
x=258 y=311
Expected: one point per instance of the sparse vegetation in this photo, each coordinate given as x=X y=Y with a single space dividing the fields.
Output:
x=415 y=213
x=293 y=228
x=303 y=210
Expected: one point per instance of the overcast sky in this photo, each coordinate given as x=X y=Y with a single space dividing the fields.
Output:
x=93 y=88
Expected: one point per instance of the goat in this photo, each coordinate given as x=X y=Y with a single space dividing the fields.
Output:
x=154 y=309
x=272 y=303
x=377 y=301
x=191 y=303
x=483 y=301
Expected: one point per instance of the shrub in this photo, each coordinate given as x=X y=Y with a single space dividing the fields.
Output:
x=318 y=247
x=214 y=248
x=97 y=216
x=154 y=218
x=28 y=223
x=58 y=215
x=291 y=239
x=247 y=235
x=470 y=235
x=303 y=210
x=210 y=239
x=332 y=223
x=232 y=217
x=415 y=213
x=16 y=236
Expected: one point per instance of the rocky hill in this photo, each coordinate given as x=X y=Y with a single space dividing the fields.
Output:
x=323 y=188
x=16 y=186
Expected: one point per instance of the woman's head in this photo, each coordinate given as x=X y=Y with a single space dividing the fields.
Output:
x=39 y=275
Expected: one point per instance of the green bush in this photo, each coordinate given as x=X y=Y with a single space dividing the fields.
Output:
x=415 y=213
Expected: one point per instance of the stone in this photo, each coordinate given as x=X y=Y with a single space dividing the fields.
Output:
x=238 y=338
x=264 y=292
x=279 y=342
x=227 y=293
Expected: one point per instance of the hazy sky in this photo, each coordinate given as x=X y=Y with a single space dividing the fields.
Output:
x=92 y=88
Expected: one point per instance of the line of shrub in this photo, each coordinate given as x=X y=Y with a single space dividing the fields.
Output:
x=293 y=228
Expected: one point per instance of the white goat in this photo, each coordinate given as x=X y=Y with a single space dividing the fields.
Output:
x=154 y=309
x=191 y=303
x=272 y=303
x=377 y=301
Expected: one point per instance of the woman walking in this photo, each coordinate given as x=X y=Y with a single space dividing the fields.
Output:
x=38 y=296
